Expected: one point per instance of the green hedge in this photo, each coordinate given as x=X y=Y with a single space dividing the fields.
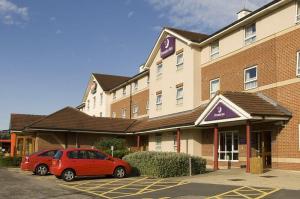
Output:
x=164 y=164
x=120 y=149
x=10 y=161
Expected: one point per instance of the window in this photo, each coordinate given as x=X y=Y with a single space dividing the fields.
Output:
x=94 y=102
x=147 y=106
x=179 y=61
x=174 y=141
x=158 y=142
x=148 y=80
x=48 y=153
x=135 y=110
x=214 y=87
x=179 y=94
x=100 y=114
x=250 y=34
x=101 y=99
x=298 y=63
x=158 y=101
x=250 y=78
x=124 y=91
x=114 y=95
x=96 y=155
x=77 y=155
x=114 y=115
x=298 y=11
x=135 y=85
x=88 y=105
x=214 y=50
x=159 y=70
x=228 y=146
x=123 y=113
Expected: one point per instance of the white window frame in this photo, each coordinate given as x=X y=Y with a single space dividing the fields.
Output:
x=123 y=113
x=251 y=38
x=114 y=114
x=179 y=99
x=251 y=80
x=124 y=91
x=179 y=65
x=298 y=64
x=214 y=55
x=135 y=85
x=159 y=72
x=232 y=146
x=158 y=142
x=158 y=104
x=114 y=95
x=297 y=10
x=101 y=99
x=135 y=110
x=213 y=93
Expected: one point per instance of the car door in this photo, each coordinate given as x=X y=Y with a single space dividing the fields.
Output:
x=78 y=160
x=101 y=164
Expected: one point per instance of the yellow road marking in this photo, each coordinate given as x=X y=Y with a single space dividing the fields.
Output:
x=142 y=190
x=245 y=196
x=122 y=186
x=102 y=185
x=277 y=189
x=84 y=191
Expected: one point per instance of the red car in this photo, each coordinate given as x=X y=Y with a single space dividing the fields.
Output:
x=39 y=162
x=69 y=163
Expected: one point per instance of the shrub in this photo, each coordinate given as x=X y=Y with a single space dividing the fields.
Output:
x=164 y=164
x=10 y=161
x=119 y=144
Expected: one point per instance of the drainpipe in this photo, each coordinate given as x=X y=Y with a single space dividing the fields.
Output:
x=130 y=100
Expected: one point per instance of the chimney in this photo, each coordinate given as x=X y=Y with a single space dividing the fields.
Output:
x=244 y=12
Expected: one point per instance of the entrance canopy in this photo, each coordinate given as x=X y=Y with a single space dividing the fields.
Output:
x=240 y=106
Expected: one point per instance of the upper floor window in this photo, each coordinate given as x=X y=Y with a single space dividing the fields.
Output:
x=298 y=11
x=214 y=50
x=94 y=102
x=101 y=98
x=250 y=34
x=124 y=91
x=147 y=106
x=100 y=114
x=158 y=100
x=179 y=94
x=135 y=110
x=214 y=87
x=88 y=105
x=123 y=113
x=159 y=69
x=250 y=78
x=135 y=85
x=114 y=115
x=298 y=63
x=179 y=60
x=114 y=95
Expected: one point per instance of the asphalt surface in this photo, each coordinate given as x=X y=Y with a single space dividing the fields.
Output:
x=17 y=184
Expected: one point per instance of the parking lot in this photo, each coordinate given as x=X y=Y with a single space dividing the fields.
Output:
x=17 y=184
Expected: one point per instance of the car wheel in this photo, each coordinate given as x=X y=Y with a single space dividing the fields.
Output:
x=119 y=172
x=68 y=175
x=41 y=170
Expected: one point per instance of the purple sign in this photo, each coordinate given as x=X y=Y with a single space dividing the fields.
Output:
x=167 y=47
x=221 y=112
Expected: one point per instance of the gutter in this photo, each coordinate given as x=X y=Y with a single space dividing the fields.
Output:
x=79 y=131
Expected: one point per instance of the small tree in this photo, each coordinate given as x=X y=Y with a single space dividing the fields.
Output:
x=119 y=144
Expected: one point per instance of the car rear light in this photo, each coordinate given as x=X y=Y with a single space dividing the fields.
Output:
x=56 y=162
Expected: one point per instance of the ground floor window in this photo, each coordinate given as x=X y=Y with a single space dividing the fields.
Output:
x=229 y=146
x=158 y=142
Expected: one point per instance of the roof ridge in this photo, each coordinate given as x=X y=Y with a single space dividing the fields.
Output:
x=109 y=75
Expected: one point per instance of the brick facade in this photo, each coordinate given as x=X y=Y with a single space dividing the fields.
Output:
x=276 y=62
x=140 y=99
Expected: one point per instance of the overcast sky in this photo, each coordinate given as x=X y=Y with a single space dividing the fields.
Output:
x=49 y=48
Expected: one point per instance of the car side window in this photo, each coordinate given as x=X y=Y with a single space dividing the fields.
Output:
x=77 y=155
x=49 y=153
x=96 y=155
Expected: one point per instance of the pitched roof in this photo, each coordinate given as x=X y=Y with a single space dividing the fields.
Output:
x=72 y=119
x=19 y=121
x=256 y=104
x=192 y=36
x=178 y=119
x=108 y=82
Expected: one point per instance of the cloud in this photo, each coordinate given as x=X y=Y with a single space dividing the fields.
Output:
x=58 y=32
x=11 y=14
x=52 y=18
x=130 y=14
x=202 y=15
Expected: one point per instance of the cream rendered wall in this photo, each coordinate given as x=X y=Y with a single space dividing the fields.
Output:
x=169 y=79
x=190 y=142
x=279 y=20
x=104 y=108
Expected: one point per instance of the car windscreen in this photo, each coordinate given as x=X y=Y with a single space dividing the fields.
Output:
x=58 y=155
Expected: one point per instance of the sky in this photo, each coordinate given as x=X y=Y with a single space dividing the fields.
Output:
x=49 y=48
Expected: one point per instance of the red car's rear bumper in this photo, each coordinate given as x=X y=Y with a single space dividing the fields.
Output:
x=55 y=171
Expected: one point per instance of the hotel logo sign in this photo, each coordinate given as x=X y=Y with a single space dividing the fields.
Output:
x=221 y=112
x=167 y=47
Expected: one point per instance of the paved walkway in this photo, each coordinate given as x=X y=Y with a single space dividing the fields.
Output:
x=275 y=178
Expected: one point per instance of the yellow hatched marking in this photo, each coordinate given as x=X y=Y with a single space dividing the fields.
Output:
x=268 y=193
x=102 y=185
x=245 y=196
x=142 y=190
x=122 y=186
x=85 y=191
